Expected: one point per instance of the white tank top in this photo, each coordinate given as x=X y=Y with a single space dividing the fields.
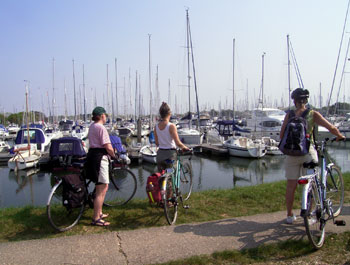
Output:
x=164 y=138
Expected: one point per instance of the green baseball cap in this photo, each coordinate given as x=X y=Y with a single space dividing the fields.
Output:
x=98 y=111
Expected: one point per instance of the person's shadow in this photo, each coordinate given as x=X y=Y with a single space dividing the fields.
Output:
x=250 y=233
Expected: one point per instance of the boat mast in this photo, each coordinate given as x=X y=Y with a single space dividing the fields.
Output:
x=136 y=84
x=107 y=95
x=84 y=92
x=288 y=71
x=188 y=63
x=75 y=100
x=233 y=78
x=65 y=99
x=336 y=65
x=149 y=81
x=194 y=76
x=116 y=86
x=53 y=90
x=262 y=81
x=27 y=123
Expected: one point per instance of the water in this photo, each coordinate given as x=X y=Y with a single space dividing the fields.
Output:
x=32 y=187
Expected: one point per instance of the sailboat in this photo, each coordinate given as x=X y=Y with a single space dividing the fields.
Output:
x=25 y=157
x=188 y=135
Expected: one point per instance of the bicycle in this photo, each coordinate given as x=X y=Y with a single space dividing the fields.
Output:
x=122 y=188
x=322 y=196
x=176 y=185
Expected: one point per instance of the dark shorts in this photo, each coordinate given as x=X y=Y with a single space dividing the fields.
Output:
x=163 y=155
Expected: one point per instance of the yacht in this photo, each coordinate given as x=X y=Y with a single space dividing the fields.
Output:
x=244 y=147
x=265 y=122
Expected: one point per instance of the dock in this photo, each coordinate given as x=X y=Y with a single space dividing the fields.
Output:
x=210 y=149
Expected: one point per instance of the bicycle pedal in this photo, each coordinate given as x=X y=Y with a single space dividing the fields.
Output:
x=186 y=207
x=340 y=223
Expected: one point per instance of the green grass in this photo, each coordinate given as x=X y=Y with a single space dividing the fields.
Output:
x=32 y=223
x=335 y=251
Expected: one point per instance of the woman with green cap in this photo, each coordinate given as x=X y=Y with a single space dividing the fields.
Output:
x=97 y=162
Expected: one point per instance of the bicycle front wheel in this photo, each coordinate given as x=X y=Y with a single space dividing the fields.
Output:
x=335 y=189
x=122 y=187
x=186 y=183
x=314 y=224
x=169 y=200
x=61 y=218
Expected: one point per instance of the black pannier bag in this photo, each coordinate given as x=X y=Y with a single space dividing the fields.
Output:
x=74 y=191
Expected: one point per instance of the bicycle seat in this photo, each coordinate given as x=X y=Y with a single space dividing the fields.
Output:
x=310 y=165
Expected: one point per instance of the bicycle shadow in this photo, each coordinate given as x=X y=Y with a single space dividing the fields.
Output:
x=247 y=233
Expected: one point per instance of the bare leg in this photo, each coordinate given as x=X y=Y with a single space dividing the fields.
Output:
x=290 y=191
x=101 y=191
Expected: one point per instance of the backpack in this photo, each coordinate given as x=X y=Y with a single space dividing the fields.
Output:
x=295 y=141
x=153 y=188
x=74 y=191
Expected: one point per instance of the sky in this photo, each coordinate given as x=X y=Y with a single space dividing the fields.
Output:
x=39 y=40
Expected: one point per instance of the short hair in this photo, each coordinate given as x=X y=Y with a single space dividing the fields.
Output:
x=96 y=118
x=164 y=110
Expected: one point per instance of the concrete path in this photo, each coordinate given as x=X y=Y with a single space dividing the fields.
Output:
x=160 y=244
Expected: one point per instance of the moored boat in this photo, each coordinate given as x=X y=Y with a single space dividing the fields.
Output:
x=244 y=147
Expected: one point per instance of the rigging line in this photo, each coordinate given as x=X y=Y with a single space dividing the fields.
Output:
x=296 y=66
x=341 y=79
x=194 y=73
x=336 y=65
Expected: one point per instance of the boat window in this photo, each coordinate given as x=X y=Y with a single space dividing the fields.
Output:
x=270 y=124
x=275 y=112
x=31 y=134
x=65 y=147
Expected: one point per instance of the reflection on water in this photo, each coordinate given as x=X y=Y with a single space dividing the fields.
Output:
x=32 y=187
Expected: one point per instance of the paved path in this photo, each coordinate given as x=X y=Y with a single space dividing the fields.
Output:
x=159 y=244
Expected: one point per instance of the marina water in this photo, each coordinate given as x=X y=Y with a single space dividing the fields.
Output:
x=32 y=187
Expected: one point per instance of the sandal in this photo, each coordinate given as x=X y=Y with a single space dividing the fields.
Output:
x=104 y=215
x=99 y=222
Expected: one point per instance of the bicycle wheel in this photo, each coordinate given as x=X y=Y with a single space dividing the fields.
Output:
x=122 y=187
x=169 y=200
x=59 y=216
x=335 y=189
x=186 y=183
x=315 y=227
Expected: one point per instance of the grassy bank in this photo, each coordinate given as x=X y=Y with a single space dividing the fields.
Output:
x=335 y=251
x=32 y=223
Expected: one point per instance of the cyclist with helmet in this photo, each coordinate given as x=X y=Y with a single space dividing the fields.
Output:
x=293 y=164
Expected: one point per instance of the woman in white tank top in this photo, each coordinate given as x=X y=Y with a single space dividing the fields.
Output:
x=166 y=137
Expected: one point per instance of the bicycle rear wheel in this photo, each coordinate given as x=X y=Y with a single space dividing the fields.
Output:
x=169 y=200
x=122 y=187
x=59 y=216
x=335 y=189
x=315 y=227
x=186 y=183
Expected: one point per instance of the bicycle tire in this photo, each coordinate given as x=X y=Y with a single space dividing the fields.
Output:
x=122 y=187
x=186 y=180
x=169 y=200
x=59 y=216
x=314 y=226
x=335 y=189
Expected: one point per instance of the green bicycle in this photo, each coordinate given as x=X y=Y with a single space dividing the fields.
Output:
x=176 y=185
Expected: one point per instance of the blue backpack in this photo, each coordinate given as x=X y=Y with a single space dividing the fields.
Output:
x=295 y=141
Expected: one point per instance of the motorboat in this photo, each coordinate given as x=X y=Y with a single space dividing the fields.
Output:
x=37 y=138
x=244 y=147
x=271 y=146
x=265 y=122
x=13 y=129
x=52 y=133
x=190 y=136
x=149 y=153
x=3 y=132
x=80 y=131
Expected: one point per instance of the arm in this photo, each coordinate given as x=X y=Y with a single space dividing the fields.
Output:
x=284 y=125
x=109 y=150
x=175 y=136
x=155 y=136
x=320 y=120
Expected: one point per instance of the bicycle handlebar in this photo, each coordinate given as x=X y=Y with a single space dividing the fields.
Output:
x=185 y=153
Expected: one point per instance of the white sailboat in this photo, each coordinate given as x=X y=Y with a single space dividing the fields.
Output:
x=25 y=157
x=244 y=147
x=188 y=135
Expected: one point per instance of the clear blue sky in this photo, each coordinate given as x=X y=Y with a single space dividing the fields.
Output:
x=94 y=33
